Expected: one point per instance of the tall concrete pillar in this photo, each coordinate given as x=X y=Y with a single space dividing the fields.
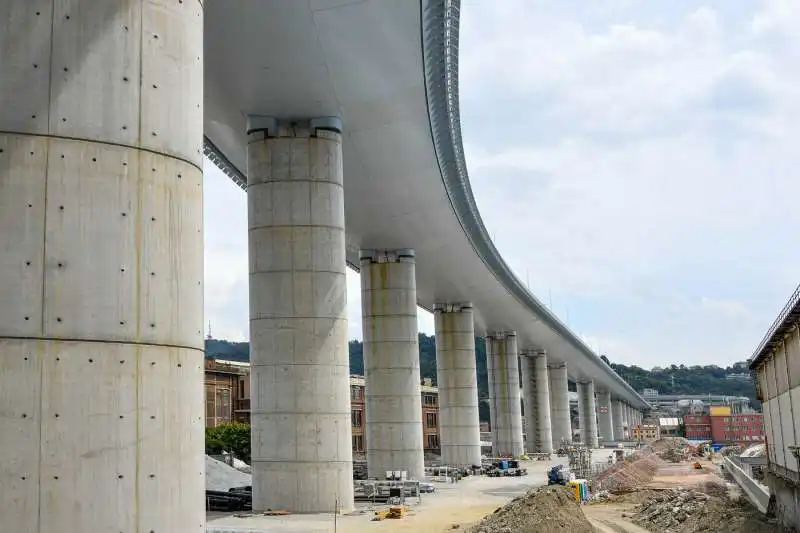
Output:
x=300 y=416
x=457 y=378
x=391 y=363
x=536 y=389
x=505 y=406
x=626 y=421
x=616 y=416
x=605 y=424
x=559 y=405
x=588 y=417
x=101 y=266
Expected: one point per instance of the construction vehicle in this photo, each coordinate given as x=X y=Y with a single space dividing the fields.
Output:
x=697 y=466
x=558 y=475
x=506 y=467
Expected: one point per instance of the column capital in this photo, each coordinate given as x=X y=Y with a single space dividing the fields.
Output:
x=534 y=352
x=501 y=335
x=400 y=255
x=281 y=127
x=452 y=307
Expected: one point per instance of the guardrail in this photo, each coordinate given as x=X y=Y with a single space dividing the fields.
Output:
x=757 y=493
x=790 y=305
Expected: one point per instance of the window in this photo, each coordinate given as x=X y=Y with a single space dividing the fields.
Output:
x=241 y=388
x=358 y=443
x=429 y=399
x=357 y=417
x=432 y=442
x=355 y=392
x=430 y=420
x=223 y=404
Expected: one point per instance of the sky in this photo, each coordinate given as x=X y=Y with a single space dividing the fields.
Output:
x=635 y=162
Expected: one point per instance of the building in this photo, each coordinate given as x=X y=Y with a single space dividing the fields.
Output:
x=649 y=393
x=743 y=429
x=430 y=416
x=670 y=427
x=683 y=404
x=697 y=427
x=226 y=384
x=646 y=432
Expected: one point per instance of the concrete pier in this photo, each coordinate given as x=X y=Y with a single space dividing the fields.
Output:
x=605 y=423
x=459 y=424
x=587 y=409
x=391 y=363
x=101 y=266
x=536 y=391
x=560 y=423
x=300 y=415
x=505 y=405
x=616 y=416
x=626 y=421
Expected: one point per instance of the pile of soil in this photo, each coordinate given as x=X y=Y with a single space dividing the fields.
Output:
x=628 y=474
x=692 y=511
x=544 y=510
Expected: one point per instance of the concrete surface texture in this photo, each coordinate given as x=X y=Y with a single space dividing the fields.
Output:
x=536 y=391
x=101 y=269
x=560 y=423
x=459 y=423
x=605 y=418
x=301 y=432
x=588 y=413
x=505 y=405
x=616 y=420
x=220 y=476
x=626 y=422
x=393 y=404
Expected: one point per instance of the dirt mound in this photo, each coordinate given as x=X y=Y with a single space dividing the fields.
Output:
x=543 y=510
x=693 y=511
x=628 y=474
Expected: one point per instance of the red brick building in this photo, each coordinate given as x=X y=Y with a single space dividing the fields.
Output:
x=697 y=427
x=227 y=391
x=738 y=428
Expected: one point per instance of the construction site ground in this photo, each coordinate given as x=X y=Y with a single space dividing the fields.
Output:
x=452 y=504
x=724 y=510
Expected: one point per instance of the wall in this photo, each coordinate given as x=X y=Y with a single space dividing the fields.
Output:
x=778 y=387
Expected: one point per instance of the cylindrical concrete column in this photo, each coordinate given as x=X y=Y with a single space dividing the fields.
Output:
x=536 y=389
x=300 y=414
x=586 y=404
x=616 y=416
x=459 y=424
x=626 y=421
x=391 y=364
x=502 y=359
x=559 y=405
x=101 y=266
x=605 y=424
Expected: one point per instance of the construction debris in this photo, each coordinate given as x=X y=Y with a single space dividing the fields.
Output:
x=628 y=474
x=692 y=511
x=544 y=510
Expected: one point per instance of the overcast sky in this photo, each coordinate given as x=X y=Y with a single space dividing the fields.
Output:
x=636 y=161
